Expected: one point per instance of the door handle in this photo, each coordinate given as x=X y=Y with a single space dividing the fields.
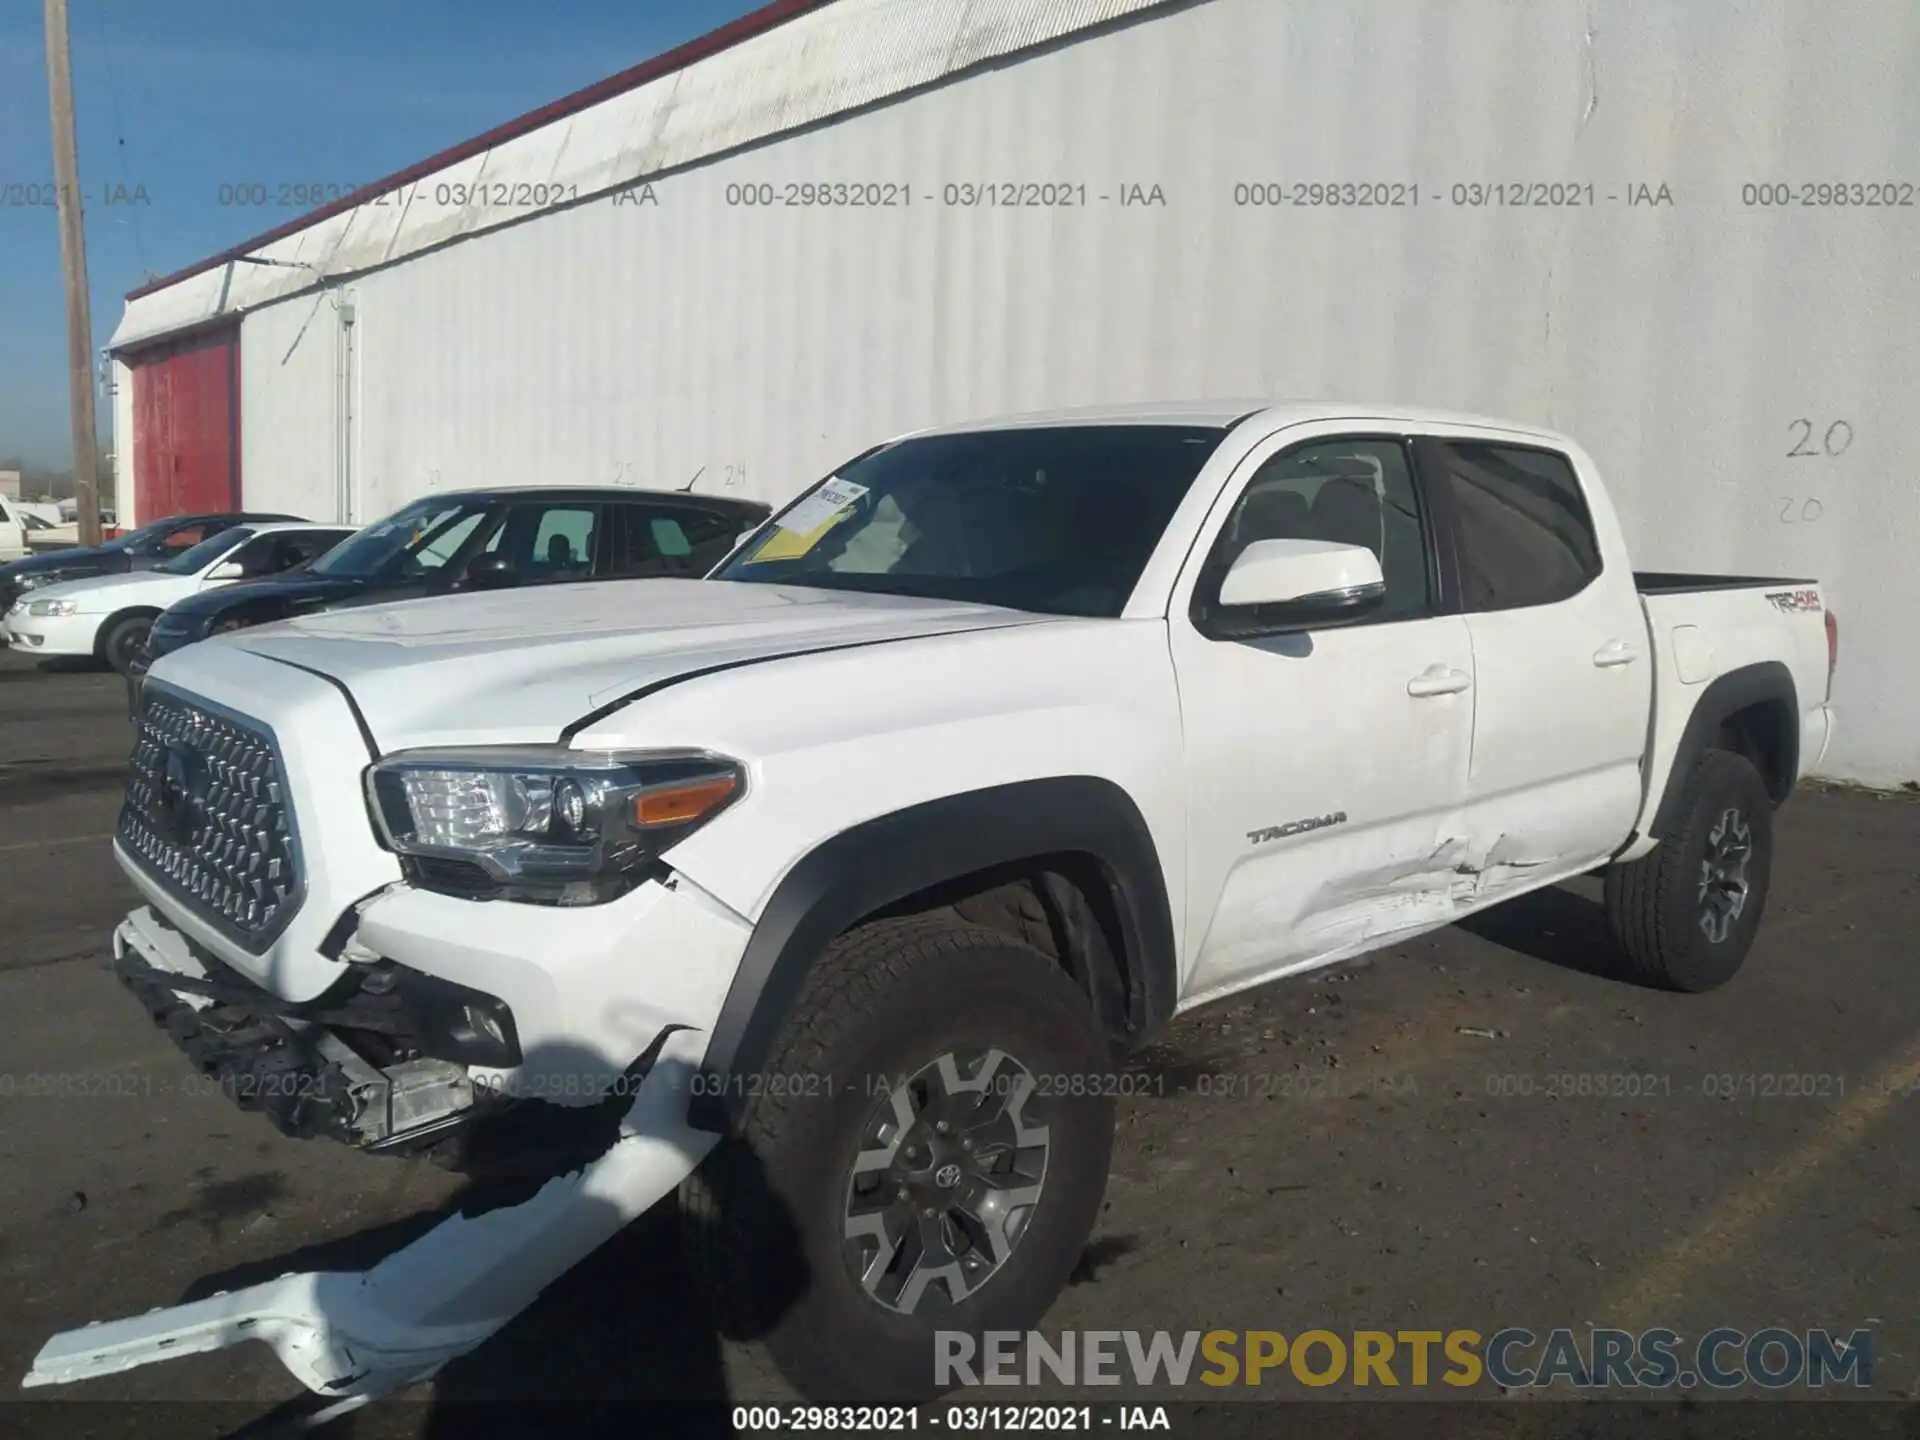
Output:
x=1439 y=680
x=1615 y=652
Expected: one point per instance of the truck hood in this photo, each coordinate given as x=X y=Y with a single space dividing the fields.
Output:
x=522 y=666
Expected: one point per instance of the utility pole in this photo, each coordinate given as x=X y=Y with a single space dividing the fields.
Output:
x=73 y=263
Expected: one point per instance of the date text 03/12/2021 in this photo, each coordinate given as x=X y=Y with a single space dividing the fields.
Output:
x=952 y=1419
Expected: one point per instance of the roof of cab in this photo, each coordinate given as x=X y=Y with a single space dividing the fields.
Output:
x=270 y=527
x=1226 y=413
x=587 y=494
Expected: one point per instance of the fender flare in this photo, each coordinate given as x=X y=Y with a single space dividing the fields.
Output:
x=884 y=860
x=1766 y=682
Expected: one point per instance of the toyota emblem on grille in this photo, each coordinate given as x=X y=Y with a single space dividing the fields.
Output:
x=183 y=792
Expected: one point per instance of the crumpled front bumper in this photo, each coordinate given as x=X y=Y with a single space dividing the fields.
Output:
x=374 y=1332
x=283 y=1060
x=586 y=988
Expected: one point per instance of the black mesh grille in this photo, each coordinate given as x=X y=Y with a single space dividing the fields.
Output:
x=206 y=816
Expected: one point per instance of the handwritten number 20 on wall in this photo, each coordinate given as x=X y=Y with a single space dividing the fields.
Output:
x=1831 y=444
x=1794 y=511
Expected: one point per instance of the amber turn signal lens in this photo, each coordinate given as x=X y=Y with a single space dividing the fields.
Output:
x=677 y=804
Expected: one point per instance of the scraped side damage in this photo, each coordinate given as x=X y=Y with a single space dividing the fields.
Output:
x=1436 y=889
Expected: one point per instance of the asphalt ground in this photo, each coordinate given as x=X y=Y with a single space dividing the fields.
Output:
x=1479 y=1130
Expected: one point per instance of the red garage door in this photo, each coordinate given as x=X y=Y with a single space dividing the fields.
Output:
x=186 y=426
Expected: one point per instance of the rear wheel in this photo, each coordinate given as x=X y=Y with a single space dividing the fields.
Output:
x=121 y=643
x=914 y=1159
x=1685 y=914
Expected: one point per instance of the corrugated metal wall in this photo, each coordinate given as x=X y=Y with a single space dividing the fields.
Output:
x=1739 y=369
x=291 y=446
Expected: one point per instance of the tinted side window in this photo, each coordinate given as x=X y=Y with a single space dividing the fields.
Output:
x=1522 y=529
x=283 y=550
x=259 y=555
x=672 y=541
x=561 y=544
x=1354 y=492
x=311 y=545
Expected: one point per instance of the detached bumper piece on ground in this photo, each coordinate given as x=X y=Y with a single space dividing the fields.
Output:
x=374 y=1332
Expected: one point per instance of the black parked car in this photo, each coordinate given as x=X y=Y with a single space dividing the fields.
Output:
x=477 y=540
x=142 y=549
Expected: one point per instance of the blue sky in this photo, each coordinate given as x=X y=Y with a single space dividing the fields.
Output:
x=177 y=98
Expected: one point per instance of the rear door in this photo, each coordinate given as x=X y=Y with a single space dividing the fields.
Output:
x=1562 y=678
x=1326 y=768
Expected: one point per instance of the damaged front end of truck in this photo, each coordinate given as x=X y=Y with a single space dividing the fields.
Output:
x=354 y=1336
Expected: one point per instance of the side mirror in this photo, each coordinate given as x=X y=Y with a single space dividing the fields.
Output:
x=1277 y=585
x=491 y=572
x=228 y=570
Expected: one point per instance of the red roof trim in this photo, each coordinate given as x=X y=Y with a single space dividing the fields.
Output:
x=766 y=18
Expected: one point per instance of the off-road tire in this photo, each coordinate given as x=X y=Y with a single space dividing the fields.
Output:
x=123 y=639
x=765 y=1214
x=1656 y=905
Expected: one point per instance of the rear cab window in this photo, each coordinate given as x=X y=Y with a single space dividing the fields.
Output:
x=1523 y=532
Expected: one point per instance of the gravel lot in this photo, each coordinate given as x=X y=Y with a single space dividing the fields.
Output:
x=1373 y=1148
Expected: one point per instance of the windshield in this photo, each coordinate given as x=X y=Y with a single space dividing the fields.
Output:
x=196 y=558
x=416 y=539
x=139 y=540
x=1055 y=519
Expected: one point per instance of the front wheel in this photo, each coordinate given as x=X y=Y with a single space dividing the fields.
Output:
x=1685 y=913
x=918 y=1161
x=121 y=644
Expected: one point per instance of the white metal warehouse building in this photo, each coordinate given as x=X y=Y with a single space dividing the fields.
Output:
x=1004 y=205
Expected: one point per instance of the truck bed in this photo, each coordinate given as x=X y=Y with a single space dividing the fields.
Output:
x=1674 y=582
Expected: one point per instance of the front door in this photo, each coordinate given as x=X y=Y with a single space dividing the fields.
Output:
x=1326 y=768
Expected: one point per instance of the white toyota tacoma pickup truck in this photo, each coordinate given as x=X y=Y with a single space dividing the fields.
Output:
x=832 y=889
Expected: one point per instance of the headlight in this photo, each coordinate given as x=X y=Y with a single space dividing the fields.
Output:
x=34 y=582
x=53 y=607
x=544 y=823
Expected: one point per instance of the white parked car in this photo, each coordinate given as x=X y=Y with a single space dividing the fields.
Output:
x=21 y=521
x=832 y=888
x=108 y=616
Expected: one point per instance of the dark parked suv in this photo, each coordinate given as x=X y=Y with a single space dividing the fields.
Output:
x=477 y=540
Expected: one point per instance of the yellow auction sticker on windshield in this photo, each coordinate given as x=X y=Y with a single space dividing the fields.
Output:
x=801 y=527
